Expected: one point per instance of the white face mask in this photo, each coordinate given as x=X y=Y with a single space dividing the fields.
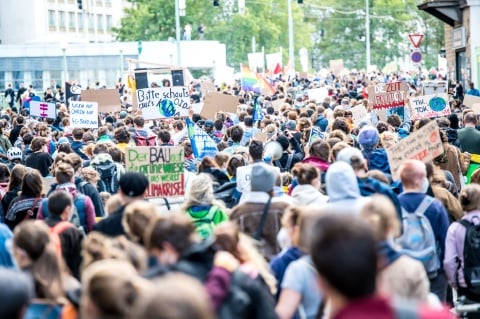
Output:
x=425 y=185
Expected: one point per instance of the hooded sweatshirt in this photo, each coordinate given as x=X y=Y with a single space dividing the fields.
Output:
x=308 y=195
x=342 y=189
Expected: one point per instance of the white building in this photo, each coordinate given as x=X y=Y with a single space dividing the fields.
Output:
x=42 y=21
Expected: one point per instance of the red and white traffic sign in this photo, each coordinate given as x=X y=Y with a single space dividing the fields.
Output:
x=416 y=39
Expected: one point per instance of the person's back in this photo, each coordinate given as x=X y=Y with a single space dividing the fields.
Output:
x=469 y=137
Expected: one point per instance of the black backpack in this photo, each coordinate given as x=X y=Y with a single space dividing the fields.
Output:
x=287 y=166
x=471 y=256
x=108 y=177
x=226 y=193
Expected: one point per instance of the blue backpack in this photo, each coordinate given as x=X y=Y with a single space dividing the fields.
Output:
x=79 y=216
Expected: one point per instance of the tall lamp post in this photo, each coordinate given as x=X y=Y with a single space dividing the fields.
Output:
x=177 y=31
x=63 y=46
x=291 y=48
x=367 y=34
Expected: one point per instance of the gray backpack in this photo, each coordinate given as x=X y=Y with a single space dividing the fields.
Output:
x=418 y=240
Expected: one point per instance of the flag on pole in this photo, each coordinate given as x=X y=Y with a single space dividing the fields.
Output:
x=202 y=144
x=252 y=81
x=257 y=111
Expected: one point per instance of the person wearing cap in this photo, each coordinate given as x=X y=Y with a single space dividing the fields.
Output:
x=369 y=139
x=132 y=186
x=368 y=185
x=258 y=202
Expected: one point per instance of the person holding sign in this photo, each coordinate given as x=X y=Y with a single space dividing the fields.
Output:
x=469 y=139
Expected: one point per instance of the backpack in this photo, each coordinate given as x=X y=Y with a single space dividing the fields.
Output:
x=55 y=232
x=108 y=177
x=227 y=194
x=81 y=186
x=238 y=300
x=79 y=216
x=204 y=226
x=141 y=140
x=418 y=240
x=285 y=168
x=471 y=256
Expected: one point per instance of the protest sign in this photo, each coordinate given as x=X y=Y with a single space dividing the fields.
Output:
x=43 y=109
x=84 y=114
x=470 y=100
x=162 y=165
x=424 y=144
x=215 y=102
x=387 y=95
x=318 y=94
x=244 y=174
x=359 y=112
x=476 y=108
x=427 y=106
x=315 y=133
x=165 y=102
x=202 y=144
x=207 y=87
x=108 y=99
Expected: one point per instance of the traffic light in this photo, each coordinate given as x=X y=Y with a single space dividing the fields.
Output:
x=216 y=3
x=79 y=4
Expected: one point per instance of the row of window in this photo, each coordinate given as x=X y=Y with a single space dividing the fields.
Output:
x=104 y=22
x=98 y=3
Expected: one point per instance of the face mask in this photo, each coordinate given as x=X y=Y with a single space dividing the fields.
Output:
x=425 y=185
x=283 y=239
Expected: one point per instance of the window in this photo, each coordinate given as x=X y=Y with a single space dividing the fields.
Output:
x=18 y=78
x=52 y=18
x=37 y=80
x=91 y=22
x=109 y=22
x=2 y=80
x=108 y=3
x=71 y=19
x=61 y=19
x=80 y=21
x=100 y=25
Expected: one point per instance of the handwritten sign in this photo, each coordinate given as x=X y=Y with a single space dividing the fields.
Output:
x=43 y=109
x=318 y=94
x=163 y=166
x=207 y=87
x=84 y=114
x=424 y=145
x=387 y=95
x=165 y=102
x=315 y=134
x=359 y=112
x=108 y=99
x=427 y=106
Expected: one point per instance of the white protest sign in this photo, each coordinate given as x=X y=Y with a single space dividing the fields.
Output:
x=359 y=112
x=424 y=145
x=475 y=108
x=243 y=177
x=166 y=102
x=427 y=106
x=43 y=109
x=470 y=100
x=318 y=94
x=84 y=114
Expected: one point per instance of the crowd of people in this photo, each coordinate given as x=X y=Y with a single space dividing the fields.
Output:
x=278 y=224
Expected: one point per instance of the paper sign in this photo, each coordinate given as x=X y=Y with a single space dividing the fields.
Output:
x=215 y=102
x=162 y=165
x=197 y=107
x=165 y=102
x=244 y=176
x=84 y=114
x=424 y=145
x=315 y=134
x=43 y=109
x=207 y=87
x=359 y=112
x=318 y=94
x=476 y=108
x=108 y=99
x=387 y=95
x=470 y=100
x=428 y=106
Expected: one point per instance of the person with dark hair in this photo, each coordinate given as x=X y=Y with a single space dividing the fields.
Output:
x=307 y=190
x=39 y=159
x=318 y=155
x=164 y=137
x=249 y=131
x=236 y=135
x=15 y=132
x=469 y=140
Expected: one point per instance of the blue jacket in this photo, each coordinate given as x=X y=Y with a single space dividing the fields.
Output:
x=377 y=159
x=280 y=263
x=369 y=186
x=322 y=123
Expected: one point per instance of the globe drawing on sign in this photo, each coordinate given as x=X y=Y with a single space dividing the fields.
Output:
x=167 y=108
x=437 y=104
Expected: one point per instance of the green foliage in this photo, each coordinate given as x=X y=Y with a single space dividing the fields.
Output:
x=329 y=29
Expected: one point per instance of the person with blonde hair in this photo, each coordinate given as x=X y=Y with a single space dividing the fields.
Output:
x=136 y=218
x=399 y=276
x=458 y=272
x=201 y=206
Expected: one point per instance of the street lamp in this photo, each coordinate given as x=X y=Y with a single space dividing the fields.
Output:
x=177 y=31
x=291 y=47
x=63 y=46
x=367 y=34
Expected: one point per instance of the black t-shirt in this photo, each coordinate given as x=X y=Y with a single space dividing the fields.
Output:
x=112 y=225
x=41 y=161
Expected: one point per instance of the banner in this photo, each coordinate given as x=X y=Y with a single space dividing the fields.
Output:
x=206 y=87
x=202 y=144
x=315 y=134
x=43 y=109
x=256 y=61
x=108 y=99
x=424 y=145
x=162 y=165
x=435 y=105
x=387 y=95
x=274 y=62
x=165 y=102
x=84 y=114
x=72 y=92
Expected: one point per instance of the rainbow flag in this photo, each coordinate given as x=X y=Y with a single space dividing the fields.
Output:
x=252 y=81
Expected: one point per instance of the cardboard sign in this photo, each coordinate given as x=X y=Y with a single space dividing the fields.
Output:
x=424 y=145
x=165 y=102
x=359 y=112
x=108 y=99
x=387 y=95
x=470 y=100
x=43 y=109
x=215 y=102
x=318 y=94
x=476 y=108
x=428 y=106
x=162 y=165
x=84 y=114
x=207 y=87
